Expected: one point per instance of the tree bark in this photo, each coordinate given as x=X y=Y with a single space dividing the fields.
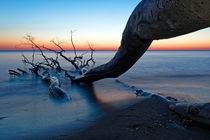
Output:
x=151 y=20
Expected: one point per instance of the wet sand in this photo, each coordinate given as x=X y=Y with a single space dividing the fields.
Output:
x=149 y=119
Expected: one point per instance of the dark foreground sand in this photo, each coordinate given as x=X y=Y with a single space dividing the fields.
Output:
x=149 y=119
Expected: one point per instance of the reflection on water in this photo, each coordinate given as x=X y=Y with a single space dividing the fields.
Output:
x=27 y=109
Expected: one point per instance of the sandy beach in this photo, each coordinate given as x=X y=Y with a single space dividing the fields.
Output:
x=149 y=119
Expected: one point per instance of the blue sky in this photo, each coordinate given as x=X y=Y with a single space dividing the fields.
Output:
x=98 y=22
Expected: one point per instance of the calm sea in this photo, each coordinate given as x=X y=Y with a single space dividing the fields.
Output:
x=27 y=109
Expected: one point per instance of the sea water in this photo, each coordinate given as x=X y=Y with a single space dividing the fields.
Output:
x=28 y=110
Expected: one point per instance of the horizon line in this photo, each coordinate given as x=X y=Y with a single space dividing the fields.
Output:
x=109 y=50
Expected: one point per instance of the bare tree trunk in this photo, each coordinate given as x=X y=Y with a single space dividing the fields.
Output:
x=122 y=61
x=161 y=19
x=152 y=19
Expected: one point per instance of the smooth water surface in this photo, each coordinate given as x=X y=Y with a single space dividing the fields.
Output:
x=27 y=109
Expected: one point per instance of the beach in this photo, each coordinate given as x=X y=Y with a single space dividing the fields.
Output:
x=106 y=109
x=149 y=119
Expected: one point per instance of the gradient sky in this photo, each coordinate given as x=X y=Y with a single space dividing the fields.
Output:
x=98 y=22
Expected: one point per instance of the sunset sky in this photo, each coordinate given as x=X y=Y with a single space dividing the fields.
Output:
x=97 y=22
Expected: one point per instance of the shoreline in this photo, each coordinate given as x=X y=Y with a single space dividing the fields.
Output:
x=147 y=119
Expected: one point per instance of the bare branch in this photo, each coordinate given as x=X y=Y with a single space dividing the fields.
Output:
x=33 y=53
x=58 y=45
x=31 y=40
x=79 y=63
x=26 y=61
x=23 y=71
x=61 y=54
x=72 y=42
x=91 y=56
x=13 y=72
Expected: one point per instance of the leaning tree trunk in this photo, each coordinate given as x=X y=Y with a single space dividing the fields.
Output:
x=152 y=19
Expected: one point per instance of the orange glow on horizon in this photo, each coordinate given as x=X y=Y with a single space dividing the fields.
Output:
x=169 y=44
x=19 y=44
x=181 y=43
x=179 y=48
x=152 y=47
x=65 y=47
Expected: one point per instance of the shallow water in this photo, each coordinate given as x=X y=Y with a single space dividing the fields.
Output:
x=27 y=109
x=181 y=74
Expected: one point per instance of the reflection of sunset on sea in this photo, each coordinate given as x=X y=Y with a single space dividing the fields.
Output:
x=99 y=23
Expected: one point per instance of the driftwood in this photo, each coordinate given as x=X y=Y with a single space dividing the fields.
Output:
x=44 y=68
x=199 y=112
x=151 y=20
x=22 y=71
x=55 y=89
x=13 y=72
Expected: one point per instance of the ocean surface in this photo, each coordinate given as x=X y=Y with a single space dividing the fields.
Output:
x=28 y=111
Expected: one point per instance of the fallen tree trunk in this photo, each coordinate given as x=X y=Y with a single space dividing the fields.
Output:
x=199 y=112
x=151 y=20
x=55 y=89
